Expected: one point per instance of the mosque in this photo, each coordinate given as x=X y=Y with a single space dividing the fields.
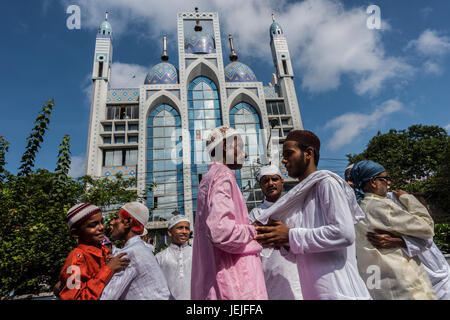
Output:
x=157 y=131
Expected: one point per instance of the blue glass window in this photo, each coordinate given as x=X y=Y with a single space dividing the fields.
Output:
x=245 y=119
x=164 y=163
x=204 y=115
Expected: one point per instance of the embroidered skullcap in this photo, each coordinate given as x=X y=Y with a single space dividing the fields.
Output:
x=81 y=212
x=138 y=211
x=268 y=171
x=177 y=219
x=217 y=135
x=304 y=137
x=362 y=171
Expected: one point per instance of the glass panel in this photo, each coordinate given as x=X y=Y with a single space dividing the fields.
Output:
x=197 y=95
x=158 y=121
x=117 y=158
x=131 y=157
x=158 y=132
x=120 y=139
x=109 y=158
x=208 y=104
x=120 y=127
x=158 y=142
x=133 y=127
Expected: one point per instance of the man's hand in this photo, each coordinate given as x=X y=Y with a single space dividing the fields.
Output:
x=385 y=240
x=398 y=193
x=118 y=263
x=275 y=234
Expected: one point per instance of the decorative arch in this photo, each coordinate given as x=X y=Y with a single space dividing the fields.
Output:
x=202 y=67
x=242 y=95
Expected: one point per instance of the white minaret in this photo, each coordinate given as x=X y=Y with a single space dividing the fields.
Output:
x=284 y=72
x=101 y=75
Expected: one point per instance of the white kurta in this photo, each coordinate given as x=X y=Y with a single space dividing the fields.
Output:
x=431 y=257
x=176 y=264
x=399 y=276
x=281 y=275
x=321 y=211
x=142 y=279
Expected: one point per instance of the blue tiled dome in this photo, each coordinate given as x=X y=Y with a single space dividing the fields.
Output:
x=162 y=73
x=239 y=72
x=199 y=42
x=275 y=29
x=105 y=29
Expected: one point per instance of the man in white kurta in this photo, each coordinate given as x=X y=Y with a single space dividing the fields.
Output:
x=390 y=273
x=143 y=278
x=176 y=260
x=280 y=274
x=316 y=220
x=434 y=262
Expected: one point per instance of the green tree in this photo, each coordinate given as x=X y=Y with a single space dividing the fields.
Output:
x=34 y=237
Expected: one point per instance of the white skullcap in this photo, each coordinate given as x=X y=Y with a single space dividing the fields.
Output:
x=177 y=219
x=138 y=211
x=268 y=170
x=350 y=167
x=217 y=135
x=81 y=212
x=144 y=232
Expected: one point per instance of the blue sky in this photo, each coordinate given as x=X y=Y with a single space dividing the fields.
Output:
x=350 y=81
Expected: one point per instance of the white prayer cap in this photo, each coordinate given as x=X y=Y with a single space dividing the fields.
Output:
x=268 y=170
x=350 y=167
x=217 y=135
x=144 y=232
x=177 y=219
x=138 y=211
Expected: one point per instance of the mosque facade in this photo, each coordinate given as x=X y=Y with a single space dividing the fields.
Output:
x=157 y=131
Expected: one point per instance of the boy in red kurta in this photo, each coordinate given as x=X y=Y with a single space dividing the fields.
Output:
x=89 y=267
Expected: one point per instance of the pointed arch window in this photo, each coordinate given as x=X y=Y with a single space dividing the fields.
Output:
x=245 y=119
x=204 y=115
x=164 y=163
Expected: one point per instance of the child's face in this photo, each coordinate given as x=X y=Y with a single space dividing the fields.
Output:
x=92 y=230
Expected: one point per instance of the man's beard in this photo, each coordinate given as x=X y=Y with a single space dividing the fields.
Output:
x=300 y=167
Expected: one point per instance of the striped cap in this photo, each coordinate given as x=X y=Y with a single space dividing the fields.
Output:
x=81 y=212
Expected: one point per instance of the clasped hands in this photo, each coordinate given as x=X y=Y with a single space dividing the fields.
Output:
x=273 y=234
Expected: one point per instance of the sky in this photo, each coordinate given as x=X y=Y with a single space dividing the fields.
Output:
x=353 y=76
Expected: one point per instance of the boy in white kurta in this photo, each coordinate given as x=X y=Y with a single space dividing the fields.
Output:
x=176 y=260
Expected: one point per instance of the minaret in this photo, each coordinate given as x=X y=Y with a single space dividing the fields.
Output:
x=101 y=76
x=284 y=72
x=233 y=55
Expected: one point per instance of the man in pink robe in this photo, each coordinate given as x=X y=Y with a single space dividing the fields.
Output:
x=225 y=258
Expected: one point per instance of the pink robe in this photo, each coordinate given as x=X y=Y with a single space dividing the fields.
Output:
x=225 y=258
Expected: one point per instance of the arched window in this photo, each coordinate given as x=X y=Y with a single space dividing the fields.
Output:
x=245 y=119
x=204 y=116
x=164 y=163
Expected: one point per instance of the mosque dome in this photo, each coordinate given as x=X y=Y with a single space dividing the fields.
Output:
x=275 y=28
x=162 y=73
x=105 y=28
x=239 y=72
x=199 y=42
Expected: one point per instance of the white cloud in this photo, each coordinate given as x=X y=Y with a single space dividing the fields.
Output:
x=447 y=127
x=432 y=68
x=430 y=43
x=125 y=75
x=350 y=125
x=77 y=166
x=326 y=40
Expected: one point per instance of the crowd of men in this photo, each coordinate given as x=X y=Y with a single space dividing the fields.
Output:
x=326 y=238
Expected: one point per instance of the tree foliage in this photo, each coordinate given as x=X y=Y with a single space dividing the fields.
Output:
x=34 y=237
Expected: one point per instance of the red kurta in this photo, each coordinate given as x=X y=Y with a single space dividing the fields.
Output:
x=90 y=262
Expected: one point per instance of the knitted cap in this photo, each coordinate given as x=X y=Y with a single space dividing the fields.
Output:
x=81 y=212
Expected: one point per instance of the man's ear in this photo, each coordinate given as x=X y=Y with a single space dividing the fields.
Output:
x=127 y=222
x=169 y=233
x=309 y=152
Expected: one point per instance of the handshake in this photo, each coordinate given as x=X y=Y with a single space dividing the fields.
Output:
x=274 y=234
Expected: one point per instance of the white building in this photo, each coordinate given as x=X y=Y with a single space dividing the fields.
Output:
x=157 y=132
